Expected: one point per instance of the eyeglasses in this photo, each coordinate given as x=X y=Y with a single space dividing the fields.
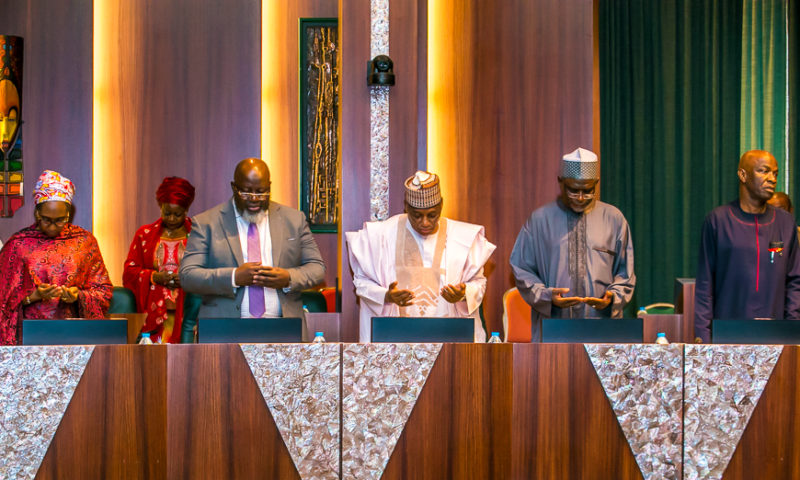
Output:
x=256 y=197
x=58 y=222
x=576 y=194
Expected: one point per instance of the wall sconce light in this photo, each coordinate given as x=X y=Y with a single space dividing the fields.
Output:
x=380 y=71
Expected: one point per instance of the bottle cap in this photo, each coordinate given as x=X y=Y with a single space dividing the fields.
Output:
x=642 y=308
x=495 y=334
x=661 y=334
x=318 y=334
x=146 y=334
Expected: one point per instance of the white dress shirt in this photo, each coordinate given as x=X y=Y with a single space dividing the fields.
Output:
x=427 y=248
x=272 y=306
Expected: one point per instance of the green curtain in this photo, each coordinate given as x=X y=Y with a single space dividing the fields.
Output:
x=794 y=102
x=670 y=87
x=764 y=85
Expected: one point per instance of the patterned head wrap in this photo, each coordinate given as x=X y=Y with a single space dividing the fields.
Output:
x=175 y=190
x=422 y=190
x=580 y=165
x=52 y=186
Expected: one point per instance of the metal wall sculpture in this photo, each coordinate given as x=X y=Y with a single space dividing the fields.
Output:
x=319 y=124
x=11 y=193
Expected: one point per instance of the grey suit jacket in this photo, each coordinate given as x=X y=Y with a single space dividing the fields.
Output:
x=213 y=251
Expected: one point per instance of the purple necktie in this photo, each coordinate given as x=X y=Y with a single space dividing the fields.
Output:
x=254 y=255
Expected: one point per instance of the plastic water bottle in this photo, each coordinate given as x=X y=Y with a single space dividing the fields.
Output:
x=318 y=338
x=495 y=338
x=641 y=313
x=661 y=338
x=145 y=340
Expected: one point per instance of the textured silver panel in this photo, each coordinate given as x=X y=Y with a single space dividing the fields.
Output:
x=644 y=384
x=36 y=385
x=379 y=27
x=379 y=153
x=380 y=385
x=722 y=385
x=379 y=117
x=300 y=384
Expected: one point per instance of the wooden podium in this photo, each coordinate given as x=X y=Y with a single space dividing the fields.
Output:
x=485 y=411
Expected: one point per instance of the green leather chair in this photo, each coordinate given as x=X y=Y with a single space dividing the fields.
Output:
x=122 y=301
x=191 y=307
x=314 y=301
x=660 y=308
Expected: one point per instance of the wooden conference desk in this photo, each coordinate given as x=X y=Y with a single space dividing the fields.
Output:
x=396 y=411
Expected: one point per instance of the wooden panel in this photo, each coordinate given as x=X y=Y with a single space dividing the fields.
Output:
x=564 y=426
x=327 y=323
x=670 y=325
x=56 y=98
x=406 y=36
x=510 y=91
x=219 y=425
x=115 y=425
x=328 y=244
x=177 y=93
x=684 y=304
x=354 y=25
x=460 y=426
x=135 y=323
x=769 y=447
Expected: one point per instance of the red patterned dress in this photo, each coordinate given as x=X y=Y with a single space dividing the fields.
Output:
x=71 y=259
x=150 y=253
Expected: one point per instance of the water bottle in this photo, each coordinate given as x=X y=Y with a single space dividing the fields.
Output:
x=661 y=338
x=495 y=338
x=145 y=340
x=318 y=338
x=641 y=313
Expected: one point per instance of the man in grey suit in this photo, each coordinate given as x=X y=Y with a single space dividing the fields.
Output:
x=249 y=257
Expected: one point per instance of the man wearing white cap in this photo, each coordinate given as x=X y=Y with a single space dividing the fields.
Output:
x=574 y=257
x=419 y=264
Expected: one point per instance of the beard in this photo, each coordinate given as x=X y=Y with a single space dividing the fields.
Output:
x=256 y=218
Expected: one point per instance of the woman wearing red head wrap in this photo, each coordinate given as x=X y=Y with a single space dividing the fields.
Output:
x=151 y=269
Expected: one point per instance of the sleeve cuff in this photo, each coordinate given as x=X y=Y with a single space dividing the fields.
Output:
x=288 y=288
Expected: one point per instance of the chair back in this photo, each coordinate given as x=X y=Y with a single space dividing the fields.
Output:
x=330 y=298
x=122 y=301
x=313 y=301
x=660 y=308
x=516 y=317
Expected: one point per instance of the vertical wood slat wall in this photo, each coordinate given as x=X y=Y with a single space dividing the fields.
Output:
x=177 y=92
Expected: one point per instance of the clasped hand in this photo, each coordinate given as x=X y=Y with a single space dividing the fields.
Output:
x=167 y=279
x=46 y=291
x=253 y=273
x=403 y=298
x=559 y=300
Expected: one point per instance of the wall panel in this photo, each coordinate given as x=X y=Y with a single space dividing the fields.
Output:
x=354 y=35
x=177 y=92
x=509 y=91
x=56 y=97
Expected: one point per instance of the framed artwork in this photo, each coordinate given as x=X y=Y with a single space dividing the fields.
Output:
x=11 y=194
x=319 y=123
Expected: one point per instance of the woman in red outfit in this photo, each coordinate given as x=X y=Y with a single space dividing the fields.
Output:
x=52 y=269
x=151 y=269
